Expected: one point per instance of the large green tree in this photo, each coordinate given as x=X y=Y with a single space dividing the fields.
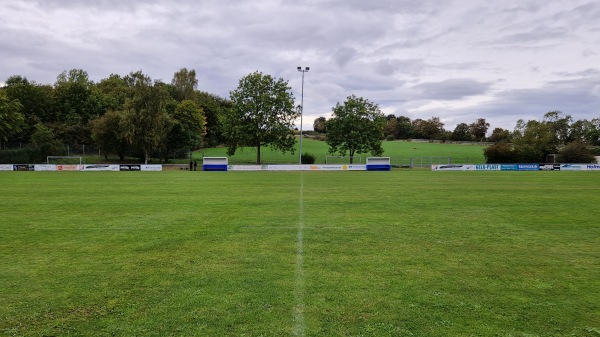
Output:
x=184 y=84
x=479 y=128
x=462 y=132
x=37 y=101
x=11 y=119
x=189 y=127
x=214 y=108
x=109 y=132
x=319 y=125
x=147 y=122
x=356 y=127
x=262 y=114
x=534 y=140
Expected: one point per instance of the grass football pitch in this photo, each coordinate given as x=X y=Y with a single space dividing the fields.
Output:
x=401 y=253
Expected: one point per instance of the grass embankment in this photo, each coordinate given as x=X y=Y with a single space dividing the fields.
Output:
x=400 y=153
x=318 y=253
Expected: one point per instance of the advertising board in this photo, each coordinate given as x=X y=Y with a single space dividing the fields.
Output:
x=101 y=167
x=6 y=167
x=549 y=167
x=248 y=167
x=23 y=167
x=528 y=167
x=151 y=167
x=69 y=167
x=129 y=167
x=592 y=167
x=452 y=167
x=44 y=167
x=572 y=167
x=487 y=167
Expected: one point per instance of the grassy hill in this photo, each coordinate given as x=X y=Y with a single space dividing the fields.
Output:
x=400 y=153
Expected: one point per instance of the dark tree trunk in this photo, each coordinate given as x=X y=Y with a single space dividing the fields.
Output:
x=258 y=154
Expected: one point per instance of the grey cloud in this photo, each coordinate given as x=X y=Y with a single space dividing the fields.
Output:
x=389 y=6
x=389 y=67
x=588 y=53
x=573 y=97
x=344 y=55
x=537 y=35
x=584 y=73
x=452 y=89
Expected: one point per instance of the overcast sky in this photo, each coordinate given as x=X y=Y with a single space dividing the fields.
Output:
x=457 y=60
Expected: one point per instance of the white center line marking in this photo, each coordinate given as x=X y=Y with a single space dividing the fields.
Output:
x=299 y=275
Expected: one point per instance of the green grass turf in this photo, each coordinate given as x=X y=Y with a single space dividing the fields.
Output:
x=396 y=253
x=400 y=152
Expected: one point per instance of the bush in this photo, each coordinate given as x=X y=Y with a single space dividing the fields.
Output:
x=389 y=137
x=501 y=153
x=576 y=153
x=308 y=158
x=24 y=155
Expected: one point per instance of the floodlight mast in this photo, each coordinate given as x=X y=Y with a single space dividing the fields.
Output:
x=306 y=69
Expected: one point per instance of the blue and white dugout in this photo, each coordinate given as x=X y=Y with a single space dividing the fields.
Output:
x=215 y=163
x=379 y=164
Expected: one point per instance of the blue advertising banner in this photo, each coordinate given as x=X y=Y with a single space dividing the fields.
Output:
x=488 y=167
x=528 y=167
x=509 y=167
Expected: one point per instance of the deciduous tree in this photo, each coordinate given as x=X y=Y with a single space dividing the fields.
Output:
x=147 y=122
x=479 y=128
x=11 y=119
x=355 y=127
x=262 y=114
x=319 y=125
x=184 y=84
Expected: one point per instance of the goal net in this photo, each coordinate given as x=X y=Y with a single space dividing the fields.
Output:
x=426 y=162
x=60 y=160
x=343 y=159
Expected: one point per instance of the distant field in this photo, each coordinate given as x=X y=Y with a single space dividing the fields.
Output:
x=399 y=151
x=401 y=253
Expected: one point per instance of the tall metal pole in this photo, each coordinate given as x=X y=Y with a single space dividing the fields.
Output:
x=306 y=69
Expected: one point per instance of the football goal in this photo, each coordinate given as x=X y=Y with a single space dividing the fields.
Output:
x=59 y=160
x=426 y=162
x=343 y=159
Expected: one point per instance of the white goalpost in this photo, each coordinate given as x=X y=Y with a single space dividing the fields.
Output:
x=343 y=159
x=64 y=160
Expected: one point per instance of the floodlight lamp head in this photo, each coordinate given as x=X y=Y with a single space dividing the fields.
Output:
x=307 y=68
x=299 y=68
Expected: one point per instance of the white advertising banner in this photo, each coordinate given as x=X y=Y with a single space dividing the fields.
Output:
x=592 y=167
x=341 y=167
x=44 y=167
x=101 y=167
x=151 y=167
x=487 y=167
x=288 y=167
x=4 y=167
x=452 y=167
x=355 y=167
x=572 y=167
x=248 y=167
x=69 y=167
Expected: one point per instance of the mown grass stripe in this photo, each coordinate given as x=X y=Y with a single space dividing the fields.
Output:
x=299 y=325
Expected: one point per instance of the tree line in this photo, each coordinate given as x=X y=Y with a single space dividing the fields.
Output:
x=131 y=115
x=134 y=115
x=530 y=141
